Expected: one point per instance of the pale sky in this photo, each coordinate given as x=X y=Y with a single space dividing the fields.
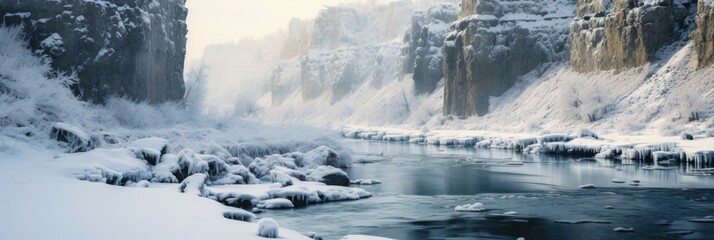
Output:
x=220 y=21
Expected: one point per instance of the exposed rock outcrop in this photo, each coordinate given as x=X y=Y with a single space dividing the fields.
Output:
x=343 y=54
x=704 y=35
x=625 y=35
x=131 y=48
x=496 y=42
x=422 y=50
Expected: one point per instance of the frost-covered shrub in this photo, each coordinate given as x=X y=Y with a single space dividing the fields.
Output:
x=268 y=228
x=584 y=133
x=144 y=115
x=691 y=106
x=584 y=101
x=240 y=215
x=32 y=95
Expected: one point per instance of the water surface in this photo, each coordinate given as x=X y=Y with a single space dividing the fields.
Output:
x=422 y=185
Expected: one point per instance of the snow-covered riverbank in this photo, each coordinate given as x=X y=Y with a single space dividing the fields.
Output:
x=698 y=149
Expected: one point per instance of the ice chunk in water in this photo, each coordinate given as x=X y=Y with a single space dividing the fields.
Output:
x=476 y=207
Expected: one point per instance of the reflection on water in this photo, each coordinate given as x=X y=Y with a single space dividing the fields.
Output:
x=422 y=185
x=434 y=170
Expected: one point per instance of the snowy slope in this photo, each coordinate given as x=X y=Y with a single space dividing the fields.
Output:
x=37 y=194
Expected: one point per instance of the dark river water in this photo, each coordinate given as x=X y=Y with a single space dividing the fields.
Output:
x=422 y=184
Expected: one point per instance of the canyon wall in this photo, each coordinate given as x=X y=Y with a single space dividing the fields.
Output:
x=494 y=43
x=127 y=48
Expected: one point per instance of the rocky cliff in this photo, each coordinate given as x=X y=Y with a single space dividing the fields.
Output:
x=348 y=46
x=704 y=35
x=130 y=48
x=422 y=50
x=496 y=42
x=626 y=35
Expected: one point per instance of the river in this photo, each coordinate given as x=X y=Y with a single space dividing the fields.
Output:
x=421 y=185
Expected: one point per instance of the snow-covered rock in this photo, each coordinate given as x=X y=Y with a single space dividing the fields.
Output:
x=111 y=166
x=276 y=203
x=76 y=139
x=329 y=175
x=280 y=177
x=268 y=228
x=261 y=166
x=195 y=184
x=240 y=215
x=150 y=149
x=325 y=156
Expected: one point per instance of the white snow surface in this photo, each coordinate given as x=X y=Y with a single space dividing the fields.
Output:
x=85 y=210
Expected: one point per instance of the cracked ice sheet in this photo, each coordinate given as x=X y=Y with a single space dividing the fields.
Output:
x=39 y=201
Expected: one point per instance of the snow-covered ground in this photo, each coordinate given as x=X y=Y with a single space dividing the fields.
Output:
x=38 y=194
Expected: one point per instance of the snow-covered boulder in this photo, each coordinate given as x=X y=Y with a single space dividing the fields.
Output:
x=150 y=149
x=268 y=228
x=299 y=196
x=276 y=203
x=237 y=199
x=236 y=174
x=76 y=139
x=280 y=177
x=240 y=215
x=325 y=156
x=112 y=166
x=261 y=166
x=189 y=163
x=291 y=172
x=195 y=184
x=167 y=169
x=143 y=184
x=329 y=175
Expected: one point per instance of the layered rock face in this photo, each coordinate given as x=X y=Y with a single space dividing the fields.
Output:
x=348 y=47
x=496 y=42
x=626 y=35
x=130 y=48
x=422 y=50
x=703 y=37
